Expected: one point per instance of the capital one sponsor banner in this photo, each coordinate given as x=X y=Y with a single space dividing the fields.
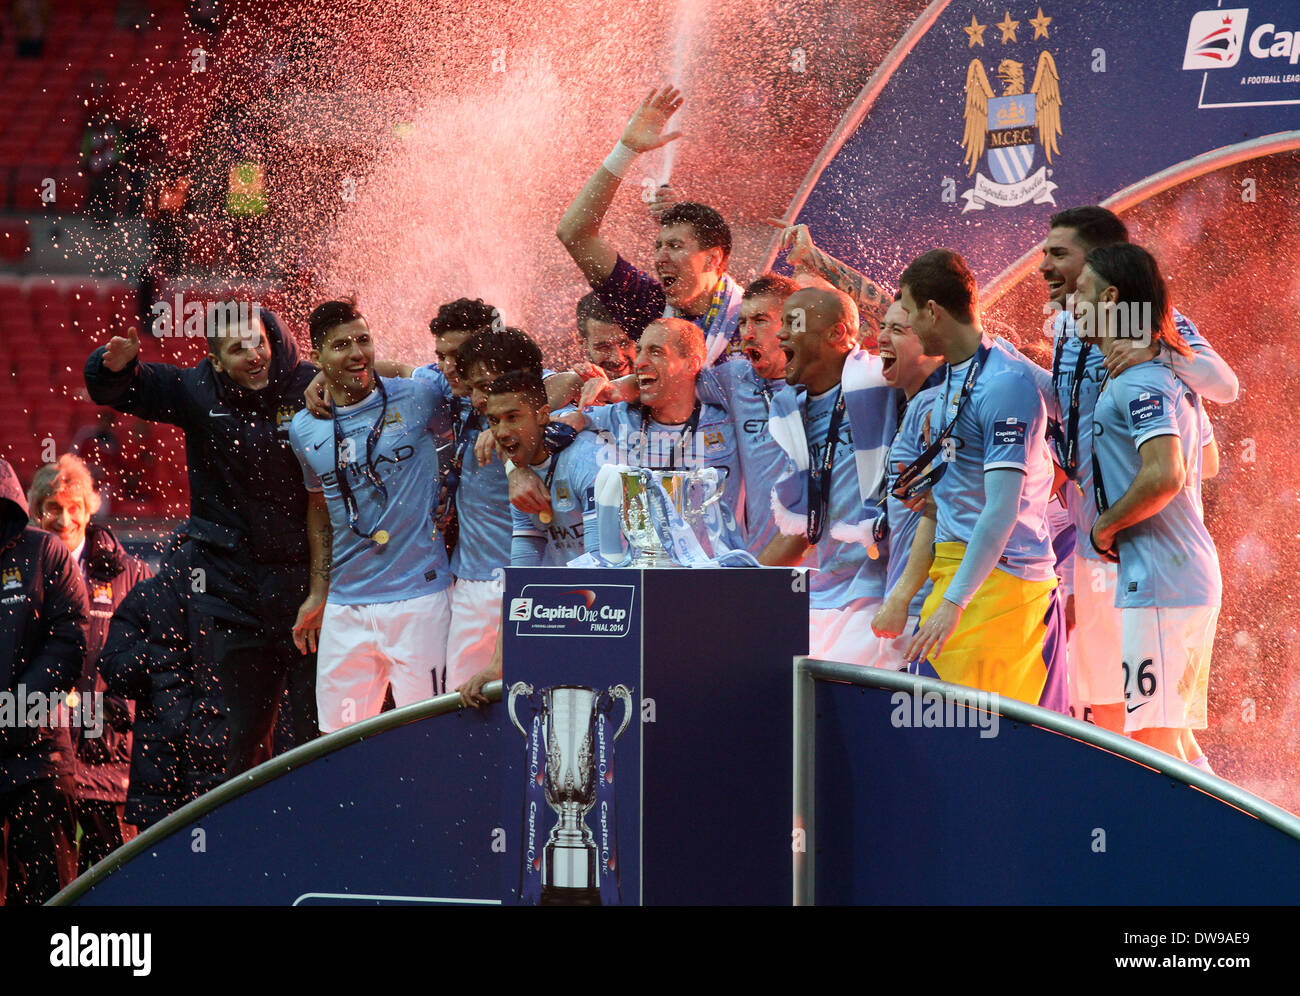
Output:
x=1002 y=114
x=570 y=778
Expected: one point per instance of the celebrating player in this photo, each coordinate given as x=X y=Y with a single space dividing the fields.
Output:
x=372 y=471
x=1147 y=441
x=691 y=251
x=836 y=431
x=518 y=412
x=910 y=370
x=992 y=620
x=603 y=341
x=248 y=509
x=1079 y=373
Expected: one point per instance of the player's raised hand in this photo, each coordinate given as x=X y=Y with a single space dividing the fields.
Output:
x=645 y=129
x=121 y=350
x=797 y=241
x=317 y=398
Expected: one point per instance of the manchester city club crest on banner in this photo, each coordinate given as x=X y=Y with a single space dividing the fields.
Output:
x=1005 y=130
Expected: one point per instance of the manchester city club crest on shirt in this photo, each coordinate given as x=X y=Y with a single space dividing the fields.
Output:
x=102 y=593
x=284 y=415
x=1004 y=131
x=12 y=578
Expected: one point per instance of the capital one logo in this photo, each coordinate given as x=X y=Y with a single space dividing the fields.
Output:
x=521 y=609
x=1214 y=38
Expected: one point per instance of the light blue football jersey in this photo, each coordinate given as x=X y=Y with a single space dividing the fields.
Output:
x=1169 y=559
x=630 y=437
x=572 y=529
x=1067 y=346
x=844 y=569
x=748 y=397
x=914 y=433
x=1002 y=425
x=413 y=562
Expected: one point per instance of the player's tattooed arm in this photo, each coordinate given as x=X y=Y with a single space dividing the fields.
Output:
x=320 y=540
x=804 y=255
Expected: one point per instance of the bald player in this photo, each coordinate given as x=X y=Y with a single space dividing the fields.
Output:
x=847 y=415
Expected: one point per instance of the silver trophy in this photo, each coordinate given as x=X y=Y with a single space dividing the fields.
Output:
x=690 y=492
x=570 y=860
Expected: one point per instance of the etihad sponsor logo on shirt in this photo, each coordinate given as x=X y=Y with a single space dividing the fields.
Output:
x=1144 y=408
x=400 y=455
x=603 y=610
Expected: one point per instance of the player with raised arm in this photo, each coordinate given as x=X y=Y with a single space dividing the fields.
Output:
x=992 y=620
x=806 y=257
x=372 y=471
x=691 y=250
x=835 y=429
x=1147 y=446
x=248 y=509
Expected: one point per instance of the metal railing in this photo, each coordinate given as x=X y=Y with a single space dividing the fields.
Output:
x=263 y=773
x=807 y=671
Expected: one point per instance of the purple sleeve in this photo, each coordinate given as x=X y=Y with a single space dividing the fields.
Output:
x=634 y=299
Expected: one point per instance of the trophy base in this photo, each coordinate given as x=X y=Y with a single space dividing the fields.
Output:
x=554 y=895
x=652 y=561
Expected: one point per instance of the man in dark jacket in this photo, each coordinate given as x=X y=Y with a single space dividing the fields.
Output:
x=42 y=644
x=61 y=500
x=248 y=507
x=178 y=748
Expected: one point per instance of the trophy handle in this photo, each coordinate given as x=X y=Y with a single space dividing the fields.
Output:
x=517 y=689
x=622 y=692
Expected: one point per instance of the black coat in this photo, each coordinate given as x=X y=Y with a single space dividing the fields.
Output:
x=179 y=735
x=42 y=634
x=248 y=505
x=103 y=762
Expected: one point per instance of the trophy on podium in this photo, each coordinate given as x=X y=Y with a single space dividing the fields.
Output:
x=571 y=769
x=645 y=513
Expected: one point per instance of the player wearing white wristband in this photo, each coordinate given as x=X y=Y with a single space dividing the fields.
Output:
x=691 y=251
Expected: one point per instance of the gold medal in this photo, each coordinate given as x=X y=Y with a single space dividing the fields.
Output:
x=380 y=536
x=544 y=518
